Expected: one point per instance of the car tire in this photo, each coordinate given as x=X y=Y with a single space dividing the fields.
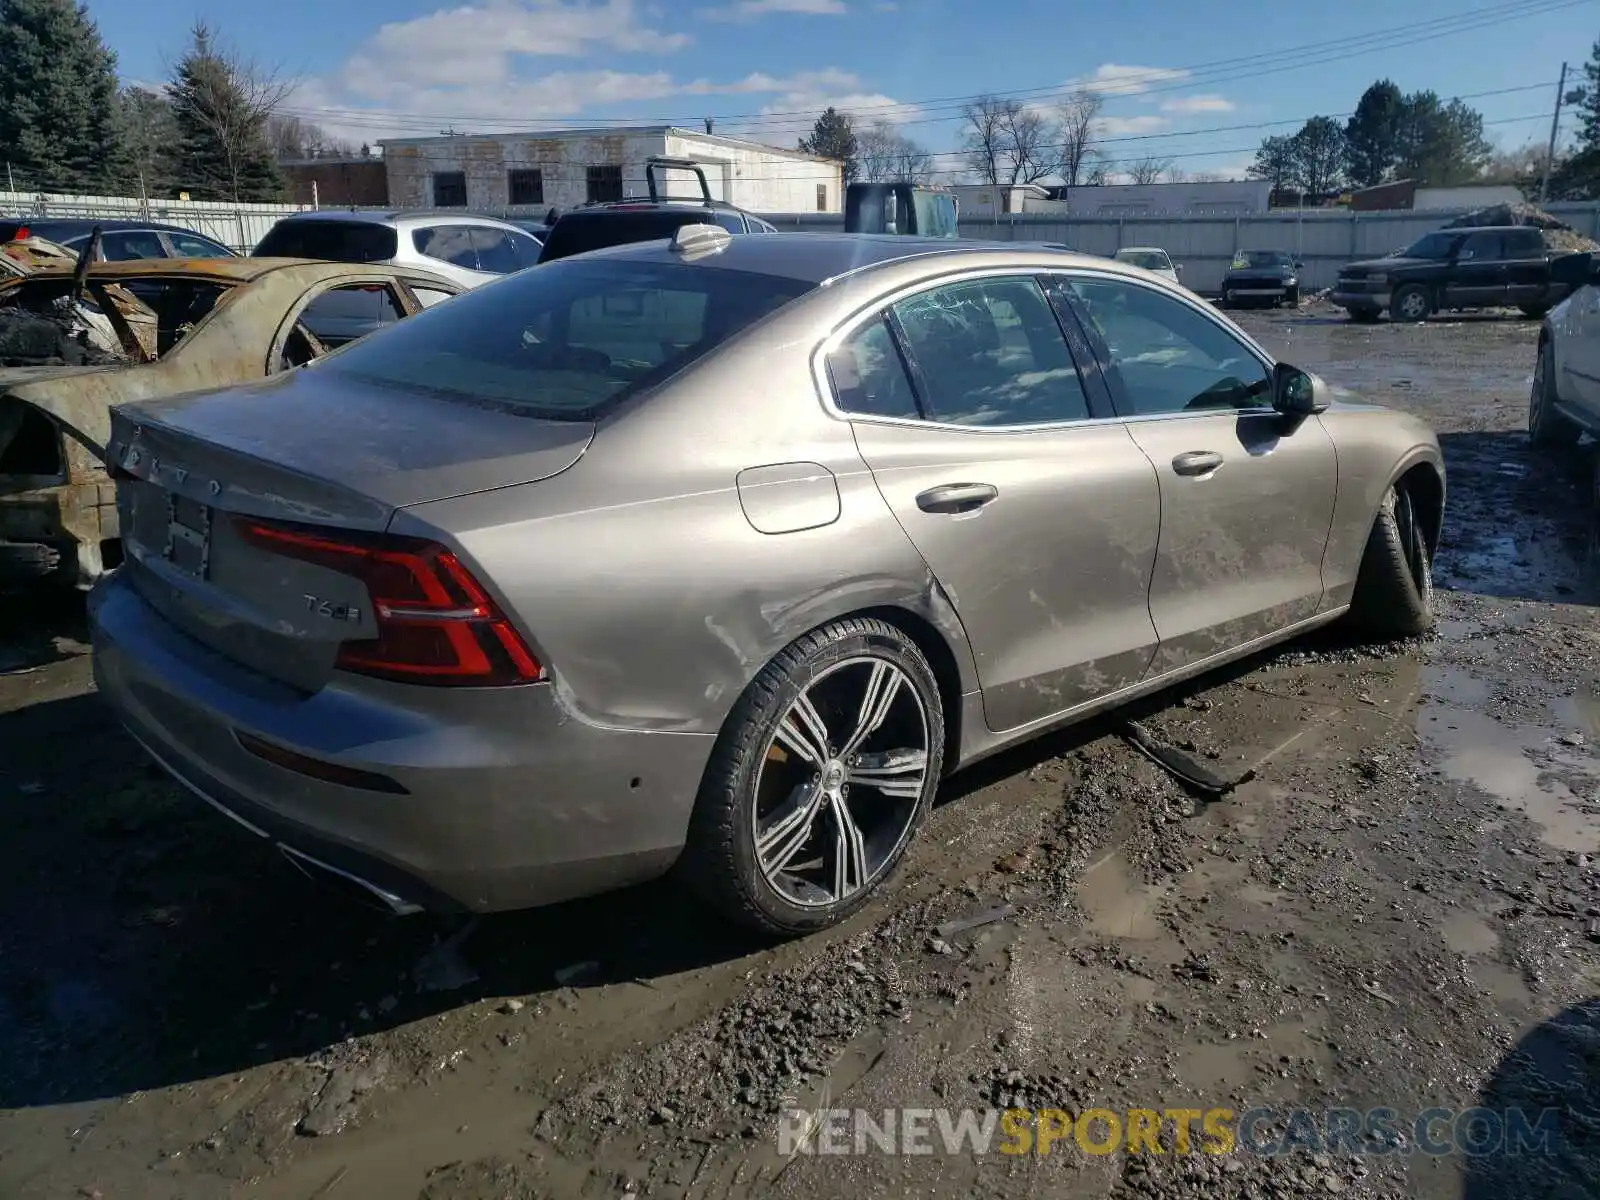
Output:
x=1534 y=311
x=1364 y=316
x=1227 y=298
x=1547 y=429
x=1394 y=590
x=1413 y=302
x=771 y=798
x=1292 y=298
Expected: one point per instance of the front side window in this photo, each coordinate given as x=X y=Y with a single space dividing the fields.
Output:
x=1432 y=246
x=732 y=222
x=496 y=251
x=991 y=352
x=450 y=189
x=189 y=245
x=869 y=377
x=1168 y=357
x=126 y=247
x=568 y=339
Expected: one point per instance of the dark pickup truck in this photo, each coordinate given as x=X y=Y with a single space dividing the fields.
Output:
x=1488 y=267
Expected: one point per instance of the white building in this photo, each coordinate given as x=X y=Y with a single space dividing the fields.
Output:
x=563 y=168
x=1472 y=195
x=980 y=200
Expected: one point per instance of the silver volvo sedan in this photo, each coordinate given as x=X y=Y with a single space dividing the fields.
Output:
x=715 y=555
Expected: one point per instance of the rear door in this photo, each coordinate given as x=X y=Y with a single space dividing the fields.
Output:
x=1036 y=512
x=1480 y=277
x=1246 y=494
x=1527 y=267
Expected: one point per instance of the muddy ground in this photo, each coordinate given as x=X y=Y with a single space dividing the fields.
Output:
x=1401 y=909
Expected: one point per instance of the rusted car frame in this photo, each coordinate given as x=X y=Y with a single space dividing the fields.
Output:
x=229 y=321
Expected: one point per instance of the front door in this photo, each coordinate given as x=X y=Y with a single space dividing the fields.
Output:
x=1246 y=493
x=1038 y=520
x=1481 y=276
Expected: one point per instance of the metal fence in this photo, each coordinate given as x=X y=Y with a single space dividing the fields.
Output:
x=240 y=226
x=1323 y=239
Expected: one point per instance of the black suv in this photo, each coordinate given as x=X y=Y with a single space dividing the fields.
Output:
x=1262 y=277
x=1487 y=267
x=596 y=226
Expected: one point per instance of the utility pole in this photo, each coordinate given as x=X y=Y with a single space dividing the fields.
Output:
x=1555 y=128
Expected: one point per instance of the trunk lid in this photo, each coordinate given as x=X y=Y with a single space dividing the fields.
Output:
x=308 y=448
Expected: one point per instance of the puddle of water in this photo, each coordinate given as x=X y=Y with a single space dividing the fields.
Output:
x=1215 y=1068
x=1467 y=933
x=1480 y=750
x=1117 y=905
x=1501 y=982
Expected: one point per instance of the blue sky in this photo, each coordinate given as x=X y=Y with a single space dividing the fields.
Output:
x=382 y=68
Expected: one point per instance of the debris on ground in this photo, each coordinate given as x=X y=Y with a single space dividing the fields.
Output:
x=335 y=1104
x=1180 y=764
x=1558 y=235
x=987 y=916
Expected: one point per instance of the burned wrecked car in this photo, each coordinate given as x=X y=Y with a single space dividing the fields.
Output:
x=72 y=347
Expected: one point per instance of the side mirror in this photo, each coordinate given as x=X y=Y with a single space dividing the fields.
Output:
x=1177 y=268
x=1297 y=393
x=1574 y=270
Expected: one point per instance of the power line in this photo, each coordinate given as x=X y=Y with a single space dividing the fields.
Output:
x=1154 y=82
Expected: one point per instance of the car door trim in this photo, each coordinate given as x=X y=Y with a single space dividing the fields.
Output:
x=882 y=305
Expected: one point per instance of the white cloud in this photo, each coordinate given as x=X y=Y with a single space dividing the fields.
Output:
x=1206 y=102
x=479 y=42
x=1128 y=126
x=1117 y=79
x=750 y=10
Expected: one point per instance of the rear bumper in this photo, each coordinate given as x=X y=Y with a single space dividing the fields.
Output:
x=503 y=799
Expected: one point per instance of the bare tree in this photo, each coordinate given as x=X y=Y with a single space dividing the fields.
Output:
x=1149 y=169
x=1175 y=175
x=985 y=140
x=292 y=138
x=1007 y=142
x=884 y=153
x=1205 y=177
x=1099 y=175
x=1075 y=126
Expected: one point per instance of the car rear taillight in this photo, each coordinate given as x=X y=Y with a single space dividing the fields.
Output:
x=436 y=624
x=22 y=234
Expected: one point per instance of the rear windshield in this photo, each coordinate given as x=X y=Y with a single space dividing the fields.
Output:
x=335 y=241
x=1150 y=260
x=581 y=232
x=567 y=339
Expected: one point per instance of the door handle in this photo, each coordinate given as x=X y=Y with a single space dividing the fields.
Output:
x=1197 y=462
x=956 y=497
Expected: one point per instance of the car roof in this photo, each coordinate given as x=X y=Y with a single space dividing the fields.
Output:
x=401 y=218
x=819 y=257
x=1141 y=250
x=75 y=225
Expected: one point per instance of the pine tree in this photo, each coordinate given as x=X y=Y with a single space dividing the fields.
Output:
x=834 y=136
x=1372 y=134
x=221 y=107
x=58 y=88
x=1585 y=99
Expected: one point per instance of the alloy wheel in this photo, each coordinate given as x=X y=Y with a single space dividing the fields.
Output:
x=841 y=782
x=1414 y=306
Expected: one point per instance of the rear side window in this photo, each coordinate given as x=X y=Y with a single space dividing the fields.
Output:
x=869 y=377
x=332 y=241
x=451 y=244
x=1482 y=247
x=568 y=339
